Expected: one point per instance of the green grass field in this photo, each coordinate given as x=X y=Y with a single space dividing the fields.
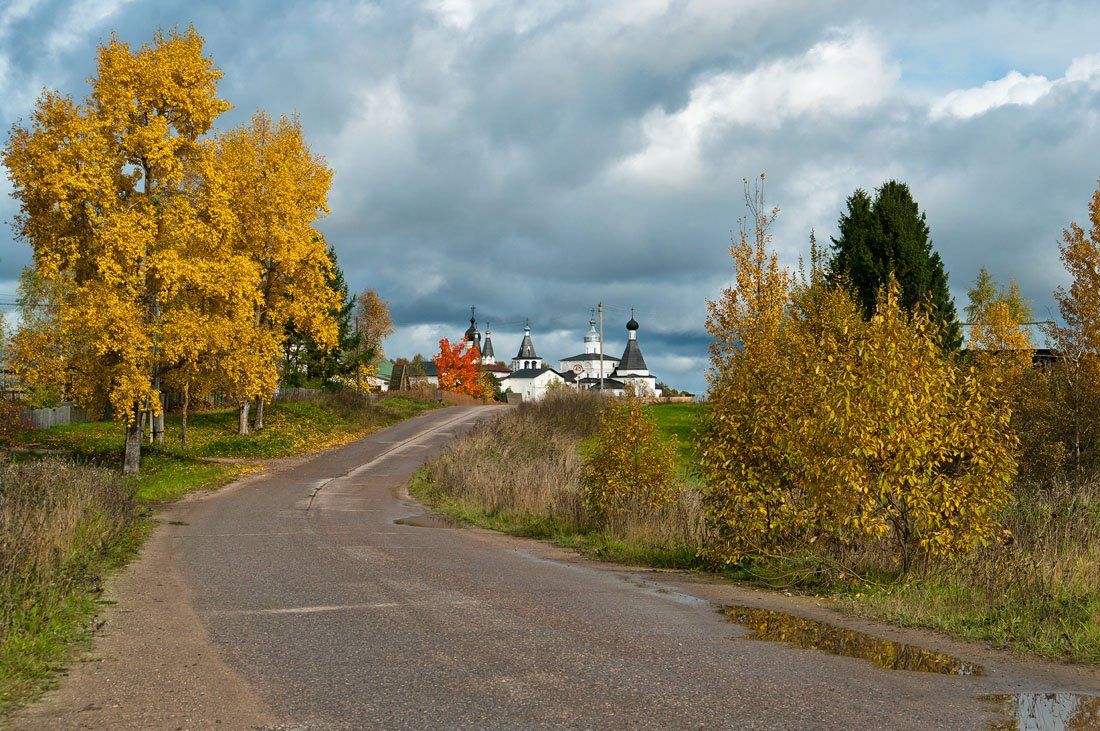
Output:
x=681 y=421
x=216 y=453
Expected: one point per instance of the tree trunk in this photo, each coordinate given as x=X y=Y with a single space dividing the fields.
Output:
x=242 y=424
x=147 y=423
x=158 y=418
x=131 y=460
x=258 y=422
x=183 y=417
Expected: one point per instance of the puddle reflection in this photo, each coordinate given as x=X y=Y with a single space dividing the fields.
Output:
x=810 y=634
x=1046 y=712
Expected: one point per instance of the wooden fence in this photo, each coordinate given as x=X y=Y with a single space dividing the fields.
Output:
x=55 y=416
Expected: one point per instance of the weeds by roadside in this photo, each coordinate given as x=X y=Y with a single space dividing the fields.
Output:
x=524 y=474
x=67 y=522
x=62 y=528
x=1040 y=593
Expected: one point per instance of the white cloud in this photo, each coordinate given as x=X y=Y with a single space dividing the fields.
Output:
x=1084 y=68
x=82 y=17
x=15 y=12
x=678 y=364
x=1012 y=89
x=455 y=14
x=839 y=77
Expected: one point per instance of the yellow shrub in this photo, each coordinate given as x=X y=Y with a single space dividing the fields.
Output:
x=631 y=467
x=825 y=426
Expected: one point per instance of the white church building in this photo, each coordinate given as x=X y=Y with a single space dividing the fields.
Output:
x=531 y=377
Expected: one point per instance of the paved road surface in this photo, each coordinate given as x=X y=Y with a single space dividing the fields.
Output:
x=296 y=601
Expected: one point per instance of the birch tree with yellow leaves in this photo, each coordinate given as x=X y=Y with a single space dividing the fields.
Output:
x=102 y=202
x=829 y=430
x=164 y=258
x=1077 y=341
x=279 y=189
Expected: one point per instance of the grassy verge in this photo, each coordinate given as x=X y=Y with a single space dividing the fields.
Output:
x=63 y=527
x=216 y=453
x=680 y=421
x=594 y=543
x=69 y=519
x=1040 y=594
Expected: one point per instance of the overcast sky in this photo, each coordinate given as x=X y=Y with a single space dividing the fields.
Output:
x=533 y=158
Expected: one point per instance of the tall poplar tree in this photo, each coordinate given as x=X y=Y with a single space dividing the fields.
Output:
x=889 y=235
x=103 y=202
x=279 y=189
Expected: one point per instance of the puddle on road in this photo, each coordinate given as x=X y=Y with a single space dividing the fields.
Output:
x=1035 y=711
x=428 y=521
x=810 y=634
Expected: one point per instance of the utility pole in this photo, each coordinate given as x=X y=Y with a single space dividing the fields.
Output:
x=599 y=308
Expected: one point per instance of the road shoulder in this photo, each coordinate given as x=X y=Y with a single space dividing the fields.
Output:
x=151 y=634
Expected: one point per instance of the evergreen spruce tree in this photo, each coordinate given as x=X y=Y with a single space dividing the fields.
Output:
x=307 y=364
x=889 y=235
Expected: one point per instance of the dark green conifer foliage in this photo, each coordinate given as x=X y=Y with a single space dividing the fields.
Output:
x=307 y=364
x=889 y=235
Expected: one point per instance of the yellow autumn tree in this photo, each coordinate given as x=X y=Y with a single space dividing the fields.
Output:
x=101 y=191
x=997 y=315
x=279 y=189
x=39 y=353
x=916 y=452
x=751 y=392
x=1001 y=346
x=212 y=299
x=373 y=324
x=1077 y=340
x=827 y=431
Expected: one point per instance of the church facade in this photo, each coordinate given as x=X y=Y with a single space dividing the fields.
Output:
x=531 y=377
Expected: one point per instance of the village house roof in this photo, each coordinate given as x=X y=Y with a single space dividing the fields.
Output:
x=609 y=384
x=404 y=374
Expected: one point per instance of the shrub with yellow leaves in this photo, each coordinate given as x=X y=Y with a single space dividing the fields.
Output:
x=823 y=425
x=631 y=466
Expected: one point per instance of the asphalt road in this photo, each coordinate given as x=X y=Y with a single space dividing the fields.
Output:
x=329 y=615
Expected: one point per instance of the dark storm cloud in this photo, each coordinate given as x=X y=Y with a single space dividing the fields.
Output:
x=535 y=158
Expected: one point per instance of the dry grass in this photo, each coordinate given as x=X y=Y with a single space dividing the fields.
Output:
x=1040 y=593
x=524 y=462
x=62 y=527
x=523 y=472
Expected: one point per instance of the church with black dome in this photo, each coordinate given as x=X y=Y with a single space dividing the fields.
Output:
x=531 y=377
